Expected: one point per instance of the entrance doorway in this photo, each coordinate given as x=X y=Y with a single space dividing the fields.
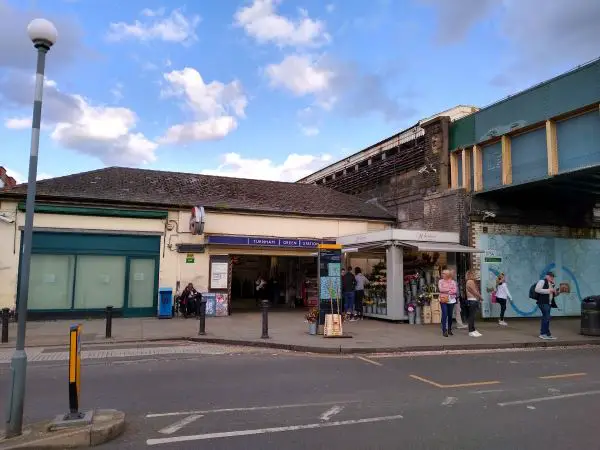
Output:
x=286 y=277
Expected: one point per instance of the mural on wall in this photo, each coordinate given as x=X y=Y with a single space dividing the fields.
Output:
x=525 y=259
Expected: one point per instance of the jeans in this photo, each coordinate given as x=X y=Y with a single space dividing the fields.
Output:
x=349 y=301
x=545 y=328
x=358 y=299
x=472 y=308
x=502 y=303
x=447 y=310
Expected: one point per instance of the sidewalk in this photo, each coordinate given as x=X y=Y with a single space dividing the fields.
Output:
x=288 y=330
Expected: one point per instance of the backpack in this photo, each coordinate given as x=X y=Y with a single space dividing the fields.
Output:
x=534 y=295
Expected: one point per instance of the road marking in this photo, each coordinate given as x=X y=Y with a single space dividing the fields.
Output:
x=252 y=408
x=447 y=386
x=375 y=363
x=449 y=401
x=553 y=391
x=487 y=391
x=530 y=407
x=566 y=375
x=180 y=424
x=544 y=399
x=310 y=426
x=331 y=412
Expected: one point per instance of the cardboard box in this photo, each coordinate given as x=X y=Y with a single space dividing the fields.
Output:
x=427 y=317
x=436 y=317
x=435 y=306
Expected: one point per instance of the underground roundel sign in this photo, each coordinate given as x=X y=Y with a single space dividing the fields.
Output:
x=197 y=220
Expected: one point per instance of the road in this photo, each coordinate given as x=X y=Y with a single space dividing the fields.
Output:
x=227 y=398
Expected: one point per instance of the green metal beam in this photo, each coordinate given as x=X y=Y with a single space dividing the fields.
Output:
x=100 y=212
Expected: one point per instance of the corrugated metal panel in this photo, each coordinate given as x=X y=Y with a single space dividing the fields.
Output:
x=578 y=142
x=492 y=166
x=565 y=93
x=529 y=156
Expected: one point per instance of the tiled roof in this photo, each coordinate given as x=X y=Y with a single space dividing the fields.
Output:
x=119 y=185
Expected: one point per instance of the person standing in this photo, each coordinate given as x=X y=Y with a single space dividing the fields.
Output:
x=348 y=287
x=473 y=299
x=502 y=296
x=545 y=298
x=458 y=308
x=448 y=290
x=361 y=282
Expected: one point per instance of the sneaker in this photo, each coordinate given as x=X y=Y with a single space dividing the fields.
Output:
x=477 y=333
x=474 y=334
x=502 y=323
x=543 y=336
x=550 y=337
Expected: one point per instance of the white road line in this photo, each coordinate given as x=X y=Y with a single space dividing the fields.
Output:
x=449 y=401
x=227 y=434
x=331 y=412
x=180 y=424
x=375 y=363
x=487 y=391
x=544 y=399
x=252 y=408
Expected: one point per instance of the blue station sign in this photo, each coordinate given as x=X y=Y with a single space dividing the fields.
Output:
x=263 y=241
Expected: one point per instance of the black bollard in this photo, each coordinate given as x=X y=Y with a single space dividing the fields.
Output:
x=202 y=330
x=109 y=313
x=265 y=319
x=5 y=312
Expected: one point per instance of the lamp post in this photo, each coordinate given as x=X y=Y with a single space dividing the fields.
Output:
x=43 y=35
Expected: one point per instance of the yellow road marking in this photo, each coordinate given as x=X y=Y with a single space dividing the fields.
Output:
x=447 y=386
x=566 y=375
x=375 y=363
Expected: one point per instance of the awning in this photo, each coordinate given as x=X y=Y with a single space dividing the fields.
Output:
x=440 y=247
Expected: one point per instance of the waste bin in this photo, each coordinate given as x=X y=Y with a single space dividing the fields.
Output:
x=590 y=316
x=165 y=303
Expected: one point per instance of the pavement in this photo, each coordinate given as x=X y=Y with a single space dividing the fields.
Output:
x=240 y=398
x=288 y=330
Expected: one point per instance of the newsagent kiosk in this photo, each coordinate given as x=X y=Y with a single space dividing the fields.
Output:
x=410 y=260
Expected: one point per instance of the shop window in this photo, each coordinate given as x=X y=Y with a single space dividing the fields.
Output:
x=141 y=283
x=100 y=282
x=51 y=282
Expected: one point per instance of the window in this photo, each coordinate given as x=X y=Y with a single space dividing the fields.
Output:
x=51 y=282
x=100 y=282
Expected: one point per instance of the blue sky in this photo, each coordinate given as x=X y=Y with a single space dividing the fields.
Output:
x=265 y=88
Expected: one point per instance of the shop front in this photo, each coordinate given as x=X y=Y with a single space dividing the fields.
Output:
x=404 y=267
x=285 y=268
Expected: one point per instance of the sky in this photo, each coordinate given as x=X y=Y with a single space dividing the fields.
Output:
x=271 y=89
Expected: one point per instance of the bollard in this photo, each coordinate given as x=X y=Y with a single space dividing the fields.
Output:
x=5 y=312
x=109 y=313
x=265 y=319
x=202 y=330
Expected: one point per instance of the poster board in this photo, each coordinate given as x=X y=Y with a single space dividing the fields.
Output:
x=330 y=279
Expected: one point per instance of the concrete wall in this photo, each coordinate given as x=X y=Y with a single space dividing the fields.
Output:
x=173 y=266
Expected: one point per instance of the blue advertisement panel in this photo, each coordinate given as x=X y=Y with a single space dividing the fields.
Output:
x=525 y=259
x=263 y=241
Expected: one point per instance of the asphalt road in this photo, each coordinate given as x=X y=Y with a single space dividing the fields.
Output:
x=546 y=399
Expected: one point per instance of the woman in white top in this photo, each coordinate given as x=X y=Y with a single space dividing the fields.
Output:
x=502 y=295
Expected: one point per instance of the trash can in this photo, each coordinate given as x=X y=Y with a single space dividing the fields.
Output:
x=165 y=303
x=590 y=316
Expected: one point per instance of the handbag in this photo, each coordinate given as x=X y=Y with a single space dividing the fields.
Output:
x=444 y=298
x=494 y=297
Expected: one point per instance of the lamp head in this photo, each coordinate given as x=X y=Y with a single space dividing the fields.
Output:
x=42 y=33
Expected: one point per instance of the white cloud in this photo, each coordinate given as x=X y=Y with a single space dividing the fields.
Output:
x=215 y=106
x=107 y=133
x=117 y=92
x=175 y=27
x=300 y=74
x=18 y=123
x=309 y=131
x=261 y=21
x=20 y=178
x=292 y=169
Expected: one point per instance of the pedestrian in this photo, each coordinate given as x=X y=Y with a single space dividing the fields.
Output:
x=458 y=307
x=502 y=296
x=448 y=290
x=348 y=287
x=361 y=282
x=546 y=293
x=473 y=300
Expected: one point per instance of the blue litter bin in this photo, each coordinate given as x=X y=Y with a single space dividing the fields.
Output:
x=165 y=303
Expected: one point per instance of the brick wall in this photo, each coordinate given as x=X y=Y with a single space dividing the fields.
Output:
x=447 y=211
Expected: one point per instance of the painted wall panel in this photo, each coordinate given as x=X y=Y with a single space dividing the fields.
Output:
x=492 y=166
x=578 y=142
x=529 y=156
x=524 y=259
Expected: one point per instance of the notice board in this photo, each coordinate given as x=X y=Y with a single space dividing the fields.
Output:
x=330 y=279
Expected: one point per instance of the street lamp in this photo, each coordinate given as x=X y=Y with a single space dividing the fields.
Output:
x=43 y=35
